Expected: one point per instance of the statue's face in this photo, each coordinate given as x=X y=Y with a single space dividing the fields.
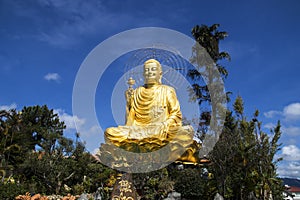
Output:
x=152 y=73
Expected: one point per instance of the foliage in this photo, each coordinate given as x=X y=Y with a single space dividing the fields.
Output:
x=25 y=131
x=190 y=183
x=34 y=152
x=153 y=185
x=11 y=190
x=208 y=76
x=243 y=159
x=244 y=162
x=205 y=55
x=42 y=126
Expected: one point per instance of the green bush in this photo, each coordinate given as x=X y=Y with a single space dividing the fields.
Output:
x=9 y=191
x=189 y=183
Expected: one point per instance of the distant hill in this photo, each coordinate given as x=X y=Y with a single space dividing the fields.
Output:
x=291 y=182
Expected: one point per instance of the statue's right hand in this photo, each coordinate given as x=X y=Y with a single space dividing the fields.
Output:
x=165 y=129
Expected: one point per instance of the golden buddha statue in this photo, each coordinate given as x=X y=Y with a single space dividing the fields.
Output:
x=153 y=118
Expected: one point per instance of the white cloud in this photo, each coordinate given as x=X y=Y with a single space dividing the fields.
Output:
x=290 y=115
x=92 y=137
x=291 y=153
x=71 y=121
x=8 y=107
x=52 y=77
x=272 y=113
x=290 y=169
x=269 y=125
x=291 y=130
x=286 y=130
x=290 y=166
x=289 y=112
x=292 y=111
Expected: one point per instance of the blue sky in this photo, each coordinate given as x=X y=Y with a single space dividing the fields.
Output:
x=44 y=42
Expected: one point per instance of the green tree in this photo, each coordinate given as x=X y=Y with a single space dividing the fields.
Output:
x=207 y=88
x=243 y=159
x=24 y=136
x=154 y=185
x=40 y=159
x=190 y=183
x=42 y=126
x=49 y=172
x=25 y=131
x=11 y=153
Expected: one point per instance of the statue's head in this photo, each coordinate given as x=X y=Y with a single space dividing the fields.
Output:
x=152 y=72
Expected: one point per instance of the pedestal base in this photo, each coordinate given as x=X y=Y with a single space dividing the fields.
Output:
x=124 y=189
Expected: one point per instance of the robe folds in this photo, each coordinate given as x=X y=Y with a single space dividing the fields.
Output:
x=153 y=120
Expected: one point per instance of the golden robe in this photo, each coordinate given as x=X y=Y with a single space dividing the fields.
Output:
x=153 y=121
